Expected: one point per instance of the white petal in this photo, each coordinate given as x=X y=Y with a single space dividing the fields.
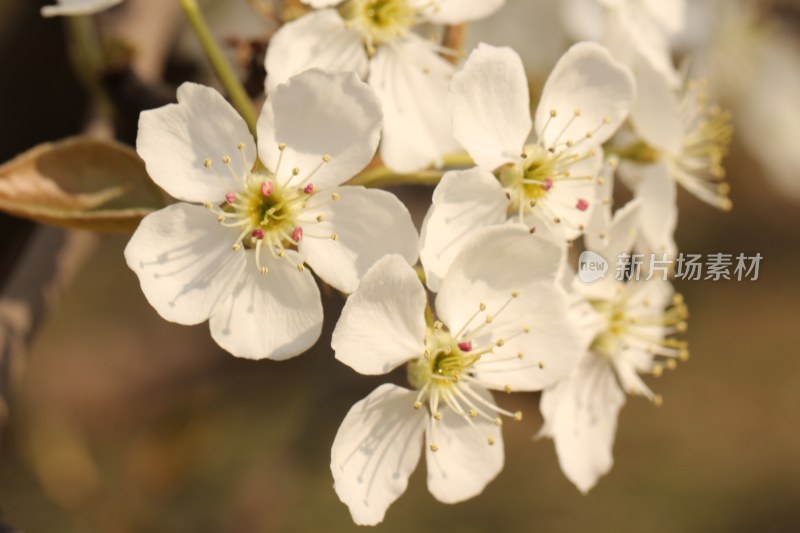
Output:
x=596 y=235
x=368 y=224
x=656 y=113
x=623 y=230
x=659 y=211
x=459 y=11
x=586 y=80
x=316 y=40
x=494 y=264
x=464 y=201
x=176 y=140
x=549 y=351
x=375 y=450
x=491 y=106
x=580 y=414
x=584 y=20
x=316 y=114
x=276 y=315
x=383 y=323
x=185 y=262
x=317 y=4
x=670 y=14
x=412 y=80
x=465 y=462
x=78 y=7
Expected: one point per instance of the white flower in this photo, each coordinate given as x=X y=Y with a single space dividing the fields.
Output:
x=239 y=258
x=628 y=329
x=684 y=140
x=502 y=325
x=78 y=7
x=550 y=184
x=635 y=31
x=375 y=39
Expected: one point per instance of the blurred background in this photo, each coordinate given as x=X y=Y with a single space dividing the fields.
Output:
x=117 y=421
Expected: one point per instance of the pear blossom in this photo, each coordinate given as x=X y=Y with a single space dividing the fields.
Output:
x=683 y=140
x=502 y=325
x=78 y=7
x=628 y=329
x=635 y=31
x=233 y=250
x=376 y=39
x=549 y=184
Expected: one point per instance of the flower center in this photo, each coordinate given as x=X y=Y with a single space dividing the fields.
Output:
x=641 y=327
x=529 y=182
x=705 y=144
x=379 y=21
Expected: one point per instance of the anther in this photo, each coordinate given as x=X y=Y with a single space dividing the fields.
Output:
x=434 y=448
x=515 y=294
x=518 y=416
x=553 y=113
x=521 y=355
x=658 y=400
x=482 y=307
x=257 y=234
x=658 y=370
x=230 y=197
x=320 y=218
x=326 y=158
x=500 y=343
x=301 y=267
x=490 y=441
x=437 y=415
x=582 y=205
x=295 y=171
x=264 y=270
x=207 y=163
x=465 y=346
x=297 y=234
x=335 y=197
x=226 y=159
x=683 y=355
x=438 y=325
x=541 y=364
x=266 y=188
x=309 y=188
x=473 y=413
x=417 y=405
x=498 y=421
x=240 y=146
x=281 y=146
x=547 y=185
x=507 y=388
x=672 y=364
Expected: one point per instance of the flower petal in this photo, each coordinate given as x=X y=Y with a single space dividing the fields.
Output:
x=184 y=261
x=460 y=11
x=658 y=215
x=580 y=414
x=411 y=80
x=493 y=266
x=177 y=140
x=656 y=113
x=78 y=7
x=491 y=106
x=368 y=224
x=465 y=462
x=383 y=323
x=464 y=201
x=375 y=450
x=586 y=80
x=537 y=359
x=277 y=315
x=318 y=114
x=317 y=4
x=317 y=40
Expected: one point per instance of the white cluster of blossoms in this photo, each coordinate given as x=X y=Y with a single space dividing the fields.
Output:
x=257 y=220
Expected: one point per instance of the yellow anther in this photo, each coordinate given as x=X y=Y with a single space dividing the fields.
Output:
x=434 y=448
x=320 y=218
x=326 y=158
x=300 y=267
x=658 y=400
x=207 y=163
x=500 y=343
x=507 y=388
x=334 y=236
x=437 y=415
x=295 y=171
x=658 y=370
x=515 y=294
x=541 y=364
x=240 y=146
x=553 y=113
x=438 y=325
x=498 y=421
x=264 y=270
x=473 y=413
x=490 y=441
x=518 y=416
x=417 y=405
x=281 y=147
x=226 y=159
x=335 y=197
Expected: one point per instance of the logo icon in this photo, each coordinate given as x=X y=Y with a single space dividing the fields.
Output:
x=591 y=267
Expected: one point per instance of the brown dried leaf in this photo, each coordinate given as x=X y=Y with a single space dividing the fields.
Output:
x=79 y=183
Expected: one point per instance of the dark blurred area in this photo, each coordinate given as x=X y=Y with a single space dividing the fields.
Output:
x=122 y=422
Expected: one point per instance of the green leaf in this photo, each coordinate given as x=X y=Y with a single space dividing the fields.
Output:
x=79 y=183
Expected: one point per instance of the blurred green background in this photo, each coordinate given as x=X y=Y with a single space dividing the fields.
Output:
x=123 y=422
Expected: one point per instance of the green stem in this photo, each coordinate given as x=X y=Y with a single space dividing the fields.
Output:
x=89 y=59
x=220 y=64
x=381 y=176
